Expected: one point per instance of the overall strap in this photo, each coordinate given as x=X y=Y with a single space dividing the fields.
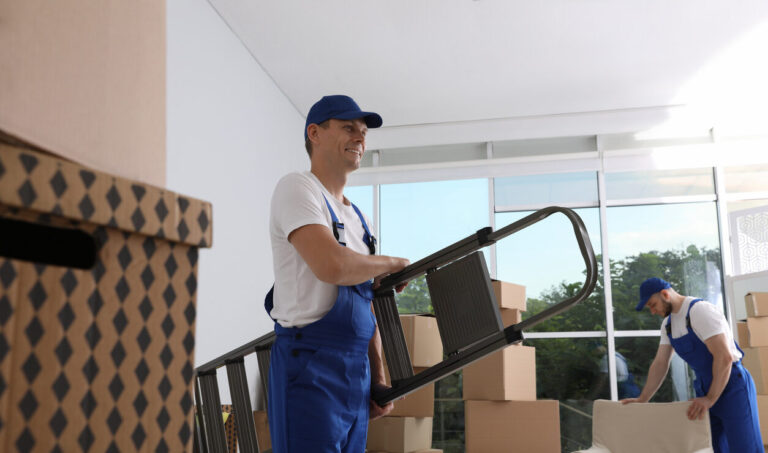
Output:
x=688 y=315
x=668 y=327
x=368 y=238
x=338 y=227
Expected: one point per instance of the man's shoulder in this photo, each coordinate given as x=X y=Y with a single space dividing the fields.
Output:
x=295 y=178
x=295 y=183
x=705 y=308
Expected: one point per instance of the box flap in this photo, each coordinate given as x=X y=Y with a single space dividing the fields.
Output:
x=47 y=184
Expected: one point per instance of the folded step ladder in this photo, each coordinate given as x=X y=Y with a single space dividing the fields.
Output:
x=467 y=316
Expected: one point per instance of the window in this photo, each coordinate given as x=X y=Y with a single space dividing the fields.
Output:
x=551 y=189
x=545 y=258
x=748 y=178
x=577 y=382
x=362 y=197
x=677 y=242
x=659 y=183
x=418 y=219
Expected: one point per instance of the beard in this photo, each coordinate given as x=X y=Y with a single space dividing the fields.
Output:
x=667 y=308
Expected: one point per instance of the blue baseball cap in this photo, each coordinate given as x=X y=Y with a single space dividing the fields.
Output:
x=650 y=287
x=339 y=107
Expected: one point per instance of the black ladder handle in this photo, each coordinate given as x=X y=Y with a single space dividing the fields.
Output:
x=486 y=237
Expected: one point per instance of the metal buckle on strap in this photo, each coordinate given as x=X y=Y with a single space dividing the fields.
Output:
x=339 y=233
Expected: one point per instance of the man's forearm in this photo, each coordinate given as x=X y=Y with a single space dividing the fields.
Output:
x=656 y=374
x=375 y=358
x=721 y=372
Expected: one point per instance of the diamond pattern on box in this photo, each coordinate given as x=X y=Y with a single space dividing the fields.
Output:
x=100 y=359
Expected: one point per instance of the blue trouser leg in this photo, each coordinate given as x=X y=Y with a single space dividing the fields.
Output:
x=734 y=418
x=318 y=399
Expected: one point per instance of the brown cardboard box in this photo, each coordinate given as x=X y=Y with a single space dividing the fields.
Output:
x=756 y=361
x=742 y=334
x=762 y=408
x=510 y=316
x=423 y=340
x=757 y=329
x=757 y=304
x=102 y=356
x=420 y=403
x=509 y=295
x=91 y=88
x=400 y=434
x=509 y=374
x=512 y=426
x=262 y=430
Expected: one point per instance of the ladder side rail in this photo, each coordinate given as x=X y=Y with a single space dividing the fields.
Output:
x=213 y=423
x=241 y=402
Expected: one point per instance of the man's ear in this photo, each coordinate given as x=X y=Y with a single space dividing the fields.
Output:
x=312 y=131
x=664 y=295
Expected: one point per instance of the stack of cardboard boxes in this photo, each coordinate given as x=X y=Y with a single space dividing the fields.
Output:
x=408 y=428
x=753 y=339
x=501 y=411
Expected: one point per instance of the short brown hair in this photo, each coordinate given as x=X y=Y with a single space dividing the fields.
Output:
x=308 y=144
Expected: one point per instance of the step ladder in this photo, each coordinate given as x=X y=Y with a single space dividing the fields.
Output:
x=467 y=316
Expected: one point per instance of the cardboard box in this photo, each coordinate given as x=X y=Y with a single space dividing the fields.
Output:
x=506 y=426
x=742 y=334
x=509 y=374
x=757 y=304
x=103 y=355
x=400 y=434
x=423 y=340
x=762 y=409
x=757 y=331
x=420 y=403
x=92 y=87
x=510 y=316
x=262 y=430
x=756 y=361
x=509 y=295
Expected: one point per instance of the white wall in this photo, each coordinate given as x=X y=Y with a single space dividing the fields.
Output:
x=231 y=135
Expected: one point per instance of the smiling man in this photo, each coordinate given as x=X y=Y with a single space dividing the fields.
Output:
x=699 y=333
x=327 y=354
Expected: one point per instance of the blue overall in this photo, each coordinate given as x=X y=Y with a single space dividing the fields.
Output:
x=319 y=375
x=734 y=419
x=627 y=388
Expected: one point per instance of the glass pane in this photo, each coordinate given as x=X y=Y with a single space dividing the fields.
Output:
x=677 y=242
x=545 y=257
x=576 y=384
x=419 y=219
x=639 y=353
x=546 y=189
x=659 y=183
x=748 y=178
x=448 y=424
x=362 y=197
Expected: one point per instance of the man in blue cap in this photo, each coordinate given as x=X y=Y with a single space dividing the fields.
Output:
x=699 y=333
x=327 y=353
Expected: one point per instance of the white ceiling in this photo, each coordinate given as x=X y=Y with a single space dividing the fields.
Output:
x=434 y=61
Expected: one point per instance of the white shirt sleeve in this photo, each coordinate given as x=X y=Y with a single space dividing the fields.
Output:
x=707 y=321
x=664 y=338
x=296 y=202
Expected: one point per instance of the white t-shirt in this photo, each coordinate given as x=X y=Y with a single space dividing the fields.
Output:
x=706 y=321
x=622 y=371
x=300 y=298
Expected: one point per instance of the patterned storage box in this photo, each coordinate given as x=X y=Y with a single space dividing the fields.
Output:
x=100 y=359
